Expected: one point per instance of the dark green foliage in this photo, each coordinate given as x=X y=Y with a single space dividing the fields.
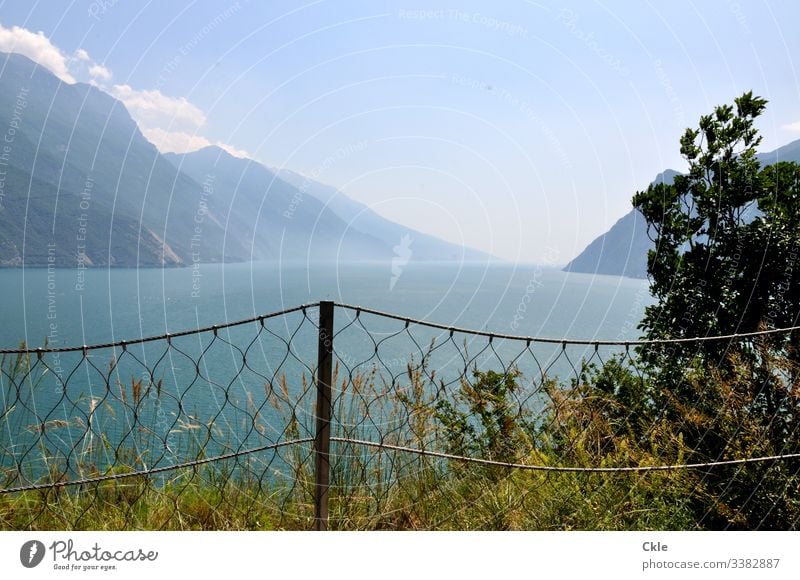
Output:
x=484 y=421
x=726 y=238
x=726 y=262
x=630 y=404
x=622 y=250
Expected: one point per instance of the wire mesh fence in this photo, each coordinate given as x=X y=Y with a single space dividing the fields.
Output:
x=289 y=421
x=203 y=429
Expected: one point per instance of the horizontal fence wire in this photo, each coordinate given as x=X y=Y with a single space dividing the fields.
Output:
x=208 y=428
x=432 y=427
x=565 y=341
x=153 y=471
x=167 y=336
x=565 y=469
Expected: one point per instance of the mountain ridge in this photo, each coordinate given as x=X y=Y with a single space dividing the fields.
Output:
x=622 y=250
x=83 y=187
x=350 y=220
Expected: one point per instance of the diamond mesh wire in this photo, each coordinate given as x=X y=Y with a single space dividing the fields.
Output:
x=443 y=428
x=206 y=429
x=431 y=428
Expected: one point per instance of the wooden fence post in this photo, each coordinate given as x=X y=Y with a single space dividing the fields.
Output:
x=322 y=439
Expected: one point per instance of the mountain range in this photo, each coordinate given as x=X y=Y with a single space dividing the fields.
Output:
x=622 y=250
x=80 y=185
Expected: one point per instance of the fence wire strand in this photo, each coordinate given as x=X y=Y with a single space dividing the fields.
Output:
x=432 y=427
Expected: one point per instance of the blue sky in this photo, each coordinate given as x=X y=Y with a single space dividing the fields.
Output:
x=519 y=128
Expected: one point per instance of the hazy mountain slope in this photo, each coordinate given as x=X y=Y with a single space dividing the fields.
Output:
x=362 y=218
x=263 y=208
x=79 y=233
x=74 y=138
x=265 y=213
x=622 y=250
x=789 y=152
x=80 y=183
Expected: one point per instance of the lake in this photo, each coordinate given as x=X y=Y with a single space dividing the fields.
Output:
x=235 y=389
x=74 y=307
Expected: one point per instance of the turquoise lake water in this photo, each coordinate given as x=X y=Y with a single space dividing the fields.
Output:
x=215 y=387
x=72 y=307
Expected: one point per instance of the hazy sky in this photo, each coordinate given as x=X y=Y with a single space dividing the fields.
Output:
x=519 y=128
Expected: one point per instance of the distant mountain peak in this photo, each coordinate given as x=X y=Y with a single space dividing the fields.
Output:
x=301 y=209
x=622 y=250
x=666 y=176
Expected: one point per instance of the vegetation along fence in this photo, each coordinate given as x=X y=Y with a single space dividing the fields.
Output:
x=289 y=421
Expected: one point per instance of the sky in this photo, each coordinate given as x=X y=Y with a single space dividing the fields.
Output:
x=519 y=128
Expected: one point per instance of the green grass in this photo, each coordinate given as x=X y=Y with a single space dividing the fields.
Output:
x=443 y=498
x=384 y=489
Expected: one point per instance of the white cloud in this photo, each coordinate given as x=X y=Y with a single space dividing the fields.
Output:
x=153 y=109
x=793 y=127
x=241 y=153
x=98 y=71
x=174 y=141
x=37 y=47
x=182 y=142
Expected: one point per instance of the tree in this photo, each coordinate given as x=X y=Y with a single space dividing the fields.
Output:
x=727 y=240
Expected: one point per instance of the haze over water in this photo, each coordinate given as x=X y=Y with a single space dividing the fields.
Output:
x=124 y=304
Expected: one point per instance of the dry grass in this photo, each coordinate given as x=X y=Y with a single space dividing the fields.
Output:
x=384 y=489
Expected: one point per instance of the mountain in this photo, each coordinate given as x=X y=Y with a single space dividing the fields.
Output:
x=269 y=216
x=81 y=185
x=362 y=218
x=315 y=221
x=789 y=152
x=622 y=250
x=84 y=185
